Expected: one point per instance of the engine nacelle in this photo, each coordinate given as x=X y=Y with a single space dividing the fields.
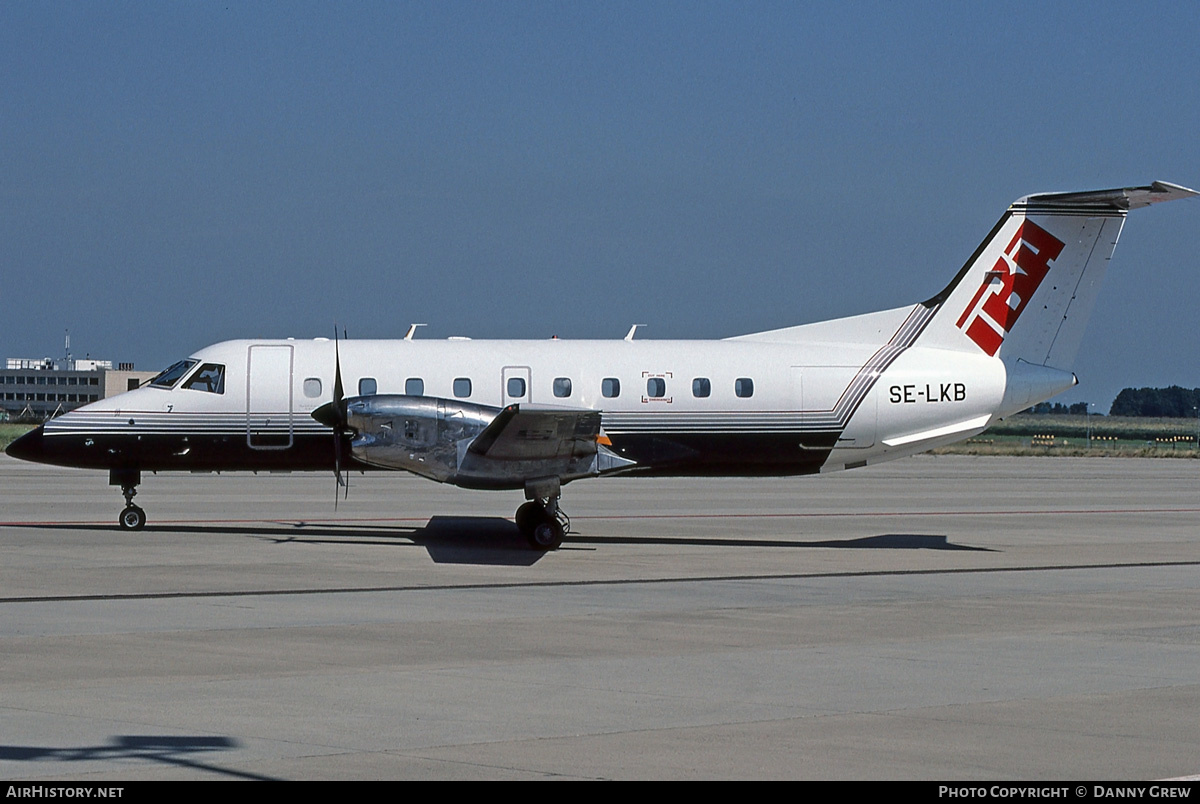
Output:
x=421 y=434
x=476 y=446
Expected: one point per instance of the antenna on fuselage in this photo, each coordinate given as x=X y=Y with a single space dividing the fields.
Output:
x=412 y=330
x=632 y=330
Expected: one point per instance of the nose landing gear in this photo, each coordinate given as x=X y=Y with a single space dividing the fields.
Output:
x=132 y=517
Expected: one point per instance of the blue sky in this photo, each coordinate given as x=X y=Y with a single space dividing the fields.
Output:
x=175 y=174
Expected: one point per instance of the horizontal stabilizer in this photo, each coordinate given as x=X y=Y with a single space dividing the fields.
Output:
x=1123 y=198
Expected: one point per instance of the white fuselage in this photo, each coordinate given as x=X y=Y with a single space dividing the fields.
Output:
x=747 y=406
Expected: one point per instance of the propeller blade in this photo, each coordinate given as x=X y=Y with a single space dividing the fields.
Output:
x=337 y=464
x=333 y=414
x=339 y=396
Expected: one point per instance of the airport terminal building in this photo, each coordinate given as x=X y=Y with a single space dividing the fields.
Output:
x=39 y=389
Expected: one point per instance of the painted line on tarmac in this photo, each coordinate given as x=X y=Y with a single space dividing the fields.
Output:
x=789 y=576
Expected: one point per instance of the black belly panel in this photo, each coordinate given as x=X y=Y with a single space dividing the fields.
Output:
x=725 y=454
x=154 y=452
x=664 y=454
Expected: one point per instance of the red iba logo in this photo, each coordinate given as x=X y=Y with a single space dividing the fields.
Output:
x=1009 y=286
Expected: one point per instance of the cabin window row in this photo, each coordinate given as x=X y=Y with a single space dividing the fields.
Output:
x=610 y=387
x=656 y=387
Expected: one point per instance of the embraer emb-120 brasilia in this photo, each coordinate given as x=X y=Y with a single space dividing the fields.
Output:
x=535 y=415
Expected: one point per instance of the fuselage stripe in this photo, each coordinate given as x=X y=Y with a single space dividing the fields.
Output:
x=239 y=423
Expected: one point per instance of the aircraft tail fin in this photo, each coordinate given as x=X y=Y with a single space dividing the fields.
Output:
x=1027 y=291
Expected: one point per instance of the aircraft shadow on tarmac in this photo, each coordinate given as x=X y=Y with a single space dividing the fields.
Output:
x=447 y=539
x=496 y=541
x=181 y=752
x=884 y=541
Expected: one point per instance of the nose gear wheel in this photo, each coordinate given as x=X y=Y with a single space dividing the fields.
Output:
x=132 y=518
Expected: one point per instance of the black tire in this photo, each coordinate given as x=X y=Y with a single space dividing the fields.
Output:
x=528 y=516
x=547 y=534
x=132 y=518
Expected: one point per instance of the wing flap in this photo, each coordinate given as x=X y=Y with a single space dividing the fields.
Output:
x=525 y=434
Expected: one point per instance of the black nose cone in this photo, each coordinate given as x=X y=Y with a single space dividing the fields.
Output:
x=29 y=447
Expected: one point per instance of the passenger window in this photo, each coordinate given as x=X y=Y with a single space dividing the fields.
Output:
x=414 y=386
x=701 y=387
x=367 y=386
x=610 y=387
x=462 y=387
x=744 y=387
x=656 y=387
x=516 y=387
x=312 y=387
x=210 y=378
x=562 y=387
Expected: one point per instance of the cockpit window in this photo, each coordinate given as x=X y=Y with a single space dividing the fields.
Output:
x=210 y=378
x=168 y=378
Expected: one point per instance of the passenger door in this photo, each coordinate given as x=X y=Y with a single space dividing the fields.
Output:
x=269 y=396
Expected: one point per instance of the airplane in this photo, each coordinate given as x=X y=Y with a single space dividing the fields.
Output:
x=534 y=415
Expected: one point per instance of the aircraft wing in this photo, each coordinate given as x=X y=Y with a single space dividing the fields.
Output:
x=531 y=433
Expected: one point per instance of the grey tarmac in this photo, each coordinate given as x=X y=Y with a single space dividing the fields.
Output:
x=944 y=617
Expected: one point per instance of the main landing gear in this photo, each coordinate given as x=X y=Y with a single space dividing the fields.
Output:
x=132 y=517
x=541 y=520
